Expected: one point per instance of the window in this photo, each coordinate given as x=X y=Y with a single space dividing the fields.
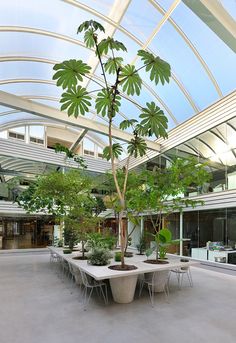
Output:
x=89 y=147
x=16 y=135
x=36 y=134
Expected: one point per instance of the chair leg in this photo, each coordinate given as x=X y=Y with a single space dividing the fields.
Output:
x=141 y=287
x=190 y=279
x=151 y=294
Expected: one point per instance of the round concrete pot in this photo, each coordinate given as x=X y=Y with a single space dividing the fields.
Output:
x=123 y=288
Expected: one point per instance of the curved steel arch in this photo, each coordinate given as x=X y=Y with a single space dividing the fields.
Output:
x=78 y=42
x=135 y=39
x=191 y=46
x=158 y=7
x=48 y=61
x=53 y=83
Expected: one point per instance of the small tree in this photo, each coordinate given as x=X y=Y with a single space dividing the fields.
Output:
x=161 y=193
x=67 y=196
x=76 y=100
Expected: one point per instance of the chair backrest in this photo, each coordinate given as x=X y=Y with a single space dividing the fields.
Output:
x=76 y=273
x=85 y=279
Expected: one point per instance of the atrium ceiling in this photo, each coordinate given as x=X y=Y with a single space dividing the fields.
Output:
x=197 y=38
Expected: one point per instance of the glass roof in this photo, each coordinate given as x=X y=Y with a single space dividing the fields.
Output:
x=37 y=34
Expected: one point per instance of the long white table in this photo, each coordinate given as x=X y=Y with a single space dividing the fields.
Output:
x=122 y=283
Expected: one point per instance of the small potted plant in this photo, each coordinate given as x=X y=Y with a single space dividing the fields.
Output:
x=99 y=256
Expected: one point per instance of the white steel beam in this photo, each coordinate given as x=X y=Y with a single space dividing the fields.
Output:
x=16 y=102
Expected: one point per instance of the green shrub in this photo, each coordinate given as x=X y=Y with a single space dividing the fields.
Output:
x=118 y=256
x=99 y=256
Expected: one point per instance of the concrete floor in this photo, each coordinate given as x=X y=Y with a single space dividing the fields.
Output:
x=38 y=306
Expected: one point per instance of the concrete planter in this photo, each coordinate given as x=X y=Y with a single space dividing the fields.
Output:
x=123 y=288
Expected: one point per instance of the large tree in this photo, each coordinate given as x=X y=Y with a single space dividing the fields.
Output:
x=125 y=83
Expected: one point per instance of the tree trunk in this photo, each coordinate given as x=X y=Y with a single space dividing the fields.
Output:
x=122 y=227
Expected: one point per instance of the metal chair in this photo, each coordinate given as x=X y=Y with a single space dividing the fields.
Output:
x=89 y=284
x=180 y=272
x=53 y=257
x=150 y=279
x=75 y=274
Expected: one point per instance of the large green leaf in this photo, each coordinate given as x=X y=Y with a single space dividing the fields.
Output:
x=76 y=101
x=110 y=44
x=105 y=104
x=165 y=235
x=159 y=69
x=154 y=120
x=90 y=24
x=116 y=151
x=130 y=80
x=127 y=123
x=137 y=147
x=89 y=38
x=112 y=64
x=70 y=72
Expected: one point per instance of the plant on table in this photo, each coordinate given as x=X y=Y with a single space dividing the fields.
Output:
x=160 y=195
x=126 y=83
x=67 y=196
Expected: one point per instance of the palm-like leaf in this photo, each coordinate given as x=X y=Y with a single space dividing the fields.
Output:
x=70 y=72
x=76 y=101
x=105 y=104
x=159 y=69
x=137 y=147
x=113 y=64
x=89 y=38
x=116 y=151
x=110 y=44
x=127 y=123
x=142 y=130
x=154 y=120
x=90 y=24
x=130 y=80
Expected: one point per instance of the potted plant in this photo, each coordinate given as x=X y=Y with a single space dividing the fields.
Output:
x=127 y=82
x=163 y=239
x=99 y=256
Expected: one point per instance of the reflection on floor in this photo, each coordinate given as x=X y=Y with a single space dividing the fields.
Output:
x=37 y=305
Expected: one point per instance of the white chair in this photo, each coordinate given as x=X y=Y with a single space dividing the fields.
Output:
x=180 y=272
x=89 y=284
x=75 y=274
x=150 y=279
x=53 y=257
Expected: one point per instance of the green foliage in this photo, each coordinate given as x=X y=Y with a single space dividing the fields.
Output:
x=148 y=252
x=141 y=245
x=70 y=154
x=127 y=123
x=117 y=256
x=105 y=104
x=116 y=151
x=153 y=120
x=90 y=24
x=137 y=147
x=99 y=256
x=70 y=72
x=112 y=64
x=58 y=194
x=108 y=99
x=110 y=44
x=89 y=39
x=159 y=69
x=76 y=100
x=99 y=240
x=130 y=80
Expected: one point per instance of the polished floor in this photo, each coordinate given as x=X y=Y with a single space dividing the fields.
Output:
x=38 y=306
